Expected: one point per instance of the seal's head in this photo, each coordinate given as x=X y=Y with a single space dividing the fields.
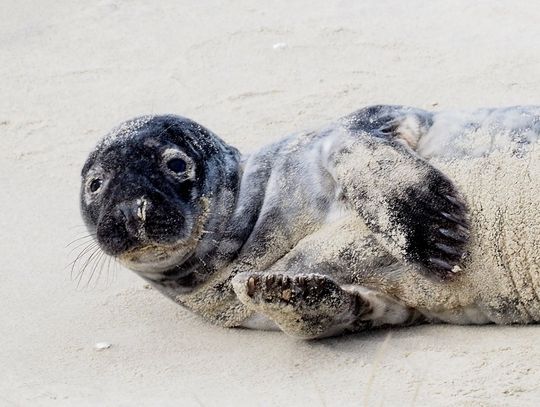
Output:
x=153 y=186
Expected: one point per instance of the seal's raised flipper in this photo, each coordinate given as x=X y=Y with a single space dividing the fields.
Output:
x=314 y=306
x=401 y=123
x=413 y=209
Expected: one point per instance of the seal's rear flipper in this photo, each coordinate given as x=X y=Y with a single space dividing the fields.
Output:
x=313 y=306
x=306 y=306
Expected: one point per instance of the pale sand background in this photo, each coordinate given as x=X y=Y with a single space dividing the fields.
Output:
x=70 y=70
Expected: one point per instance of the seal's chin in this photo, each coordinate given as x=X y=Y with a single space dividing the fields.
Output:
x=152 y=260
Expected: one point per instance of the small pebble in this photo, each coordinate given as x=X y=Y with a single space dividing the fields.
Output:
x=456 y=269
x=279 y=45
x=102 y=345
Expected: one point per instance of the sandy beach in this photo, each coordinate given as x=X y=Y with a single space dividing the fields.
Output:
x=252 y=71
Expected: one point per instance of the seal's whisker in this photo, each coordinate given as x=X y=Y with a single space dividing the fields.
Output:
x=82 y=253
x=105 y=266
x=115 y=268
x=88 y=250
x=77 y=226
x=91 y=235
x=109 y=269
x=80 y=275
x=81 y=244
x=97 y=266
x=87 y=245
x=88 y=261
x=105 y=261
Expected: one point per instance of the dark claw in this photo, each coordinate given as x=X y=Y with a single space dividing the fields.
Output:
x=270 y=281
x=455 y=236
x=286 y=282
x=313 y=282
x=448 y=249
x=463 y=230
x=251 y=286
x=453 y=218
x=455 y=201
x=440 y=264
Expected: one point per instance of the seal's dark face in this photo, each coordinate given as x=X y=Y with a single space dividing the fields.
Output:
x=144 y=190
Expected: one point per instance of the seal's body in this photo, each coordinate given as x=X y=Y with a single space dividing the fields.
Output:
x=372 y=220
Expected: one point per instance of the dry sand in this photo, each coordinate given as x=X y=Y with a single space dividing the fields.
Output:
x=70 y=70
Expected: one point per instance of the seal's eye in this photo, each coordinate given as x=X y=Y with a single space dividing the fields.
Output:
x=176 y=165
x=95 y=185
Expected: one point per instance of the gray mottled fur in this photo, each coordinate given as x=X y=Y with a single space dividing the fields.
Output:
x=315 y=237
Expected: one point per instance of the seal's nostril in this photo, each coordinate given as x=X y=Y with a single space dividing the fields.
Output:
x=142 y=204
x=130 y=212
x=133 y=215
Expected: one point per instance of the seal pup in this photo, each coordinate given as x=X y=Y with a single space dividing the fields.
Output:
x=340 y=229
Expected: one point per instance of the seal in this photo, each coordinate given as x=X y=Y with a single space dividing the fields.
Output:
x=359 y=224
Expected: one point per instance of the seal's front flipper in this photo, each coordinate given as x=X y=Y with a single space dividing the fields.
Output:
x=413 y=209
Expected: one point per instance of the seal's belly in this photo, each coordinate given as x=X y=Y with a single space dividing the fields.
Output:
x=502 y=272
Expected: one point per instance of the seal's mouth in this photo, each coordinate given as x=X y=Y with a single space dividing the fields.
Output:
x=154 y=259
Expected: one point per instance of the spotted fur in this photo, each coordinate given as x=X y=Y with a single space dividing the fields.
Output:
x=340 y=229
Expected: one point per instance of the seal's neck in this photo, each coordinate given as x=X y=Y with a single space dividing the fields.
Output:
x=235 y=205
x=222 y=234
